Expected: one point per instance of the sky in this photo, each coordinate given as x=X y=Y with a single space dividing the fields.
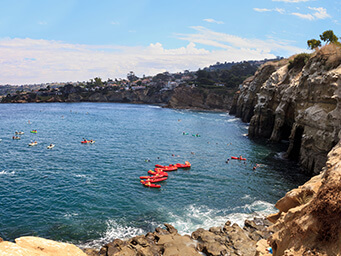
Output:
x=45 y=41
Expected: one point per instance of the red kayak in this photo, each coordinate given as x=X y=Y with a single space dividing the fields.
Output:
x=162 y=166
x=166 y=168
x=186 y=165
x=151 y=185
x=238 y=158
x=154 y=176
x=153 y=180
x=160 y=172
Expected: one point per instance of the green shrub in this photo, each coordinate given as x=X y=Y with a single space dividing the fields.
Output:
x=299 y=61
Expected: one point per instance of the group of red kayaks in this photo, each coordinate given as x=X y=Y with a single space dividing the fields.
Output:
x=160 y=174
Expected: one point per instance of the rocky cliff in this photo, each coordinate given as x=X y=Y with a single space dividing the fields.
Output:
x=201 y=98
x=298 y=100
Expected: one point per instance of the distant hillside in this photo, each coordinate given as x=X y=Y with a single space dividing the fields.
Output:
x=229 y=65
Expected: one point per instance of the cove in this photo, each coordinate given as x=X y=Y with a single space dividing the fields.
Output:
x=91 y=194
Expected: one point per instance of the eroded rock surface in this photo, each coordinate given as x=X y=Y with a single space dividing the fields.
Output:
x=301 y=104
x=310 y=217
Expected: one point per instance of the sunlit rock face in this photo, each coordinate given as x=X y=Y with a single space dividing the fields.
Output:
x=308 y=222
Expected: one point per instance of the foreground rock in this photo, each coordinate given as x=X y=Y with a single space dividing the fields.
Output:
x=309 y=221
x=36 y=246
x=227 y=240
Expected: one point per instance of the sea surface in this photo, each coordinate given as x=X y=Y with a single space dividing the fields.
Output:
x=90 y=194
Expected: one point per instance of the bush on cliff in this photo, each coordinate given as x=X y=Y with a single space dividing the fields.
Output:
x=299 y=61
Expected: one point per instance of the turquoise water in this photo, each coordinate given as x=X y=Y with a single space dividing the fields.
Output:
x=91 y=194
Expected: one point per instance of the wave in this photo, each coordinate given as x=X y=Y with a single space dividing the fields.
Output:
x=250 y=211
x=195 y=217
x=113 y=231
x=280 y=156
x=187 y=221
x=7 y=173
x=233 y=120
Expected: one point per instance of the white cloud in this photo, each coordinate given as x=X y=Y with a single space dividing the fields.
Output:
x=262 y=10
x=279 y=10
x=321 y=13
x=114 y=23
x=28 y=60
x=213 y=21
x=233 y=43
x=291 y=1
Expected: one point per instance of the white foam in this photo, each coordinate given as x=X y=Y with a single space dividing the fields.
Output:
x=188 y=221
x=195 y=217
x=114 y=231
x=80 y=175
x=250 y=211
x=70 y=215
x=7 y=173
x=233 y=120
x=280 y=155
x=202 y=217
x=246 y=197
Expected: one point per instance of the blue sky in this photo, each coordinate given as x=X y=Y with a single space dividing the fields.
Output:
x=75 y=40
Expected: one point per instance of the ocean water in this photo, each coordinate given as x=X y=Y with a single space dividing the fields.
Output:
x=90 y=194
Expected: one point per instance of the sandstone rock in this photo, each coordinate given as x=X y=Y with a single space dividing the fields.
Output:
x=261 y=247
x=313 y=228
x=35 y=246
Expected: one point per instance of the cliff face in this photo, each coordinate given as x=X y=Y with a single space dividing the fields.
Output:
x=300 y=104
x=309 y=219
x=201 y=98
x=148 y=96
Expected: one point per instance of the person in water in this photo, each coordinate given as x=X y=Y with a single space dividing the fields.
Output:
x=227 y=160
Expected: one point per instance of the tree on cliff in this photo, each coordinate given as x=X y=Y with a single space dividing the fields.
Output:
x=327 y=36
x=313 y=43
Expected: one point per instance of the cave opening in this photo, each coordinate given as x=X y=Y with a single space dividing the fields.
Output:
x=295 y=151
x=285 y=131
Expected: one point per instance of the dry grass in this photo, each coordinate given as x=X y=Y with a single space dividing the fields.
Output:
x=331 y=54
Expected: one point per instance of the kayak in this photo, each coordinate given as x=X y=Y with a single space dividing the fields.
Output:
x=163 y=166
x=50 y=146
x=156 y=176
x=151 y=185
x=158 y=172
x=33 y=144
x=186 y=165
x=153 y=180
x=34 y=131
x=238 y=158
x=16 y=138
x=87 y=141
x=19 y=133
x=169 y=168
x=166 y=168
